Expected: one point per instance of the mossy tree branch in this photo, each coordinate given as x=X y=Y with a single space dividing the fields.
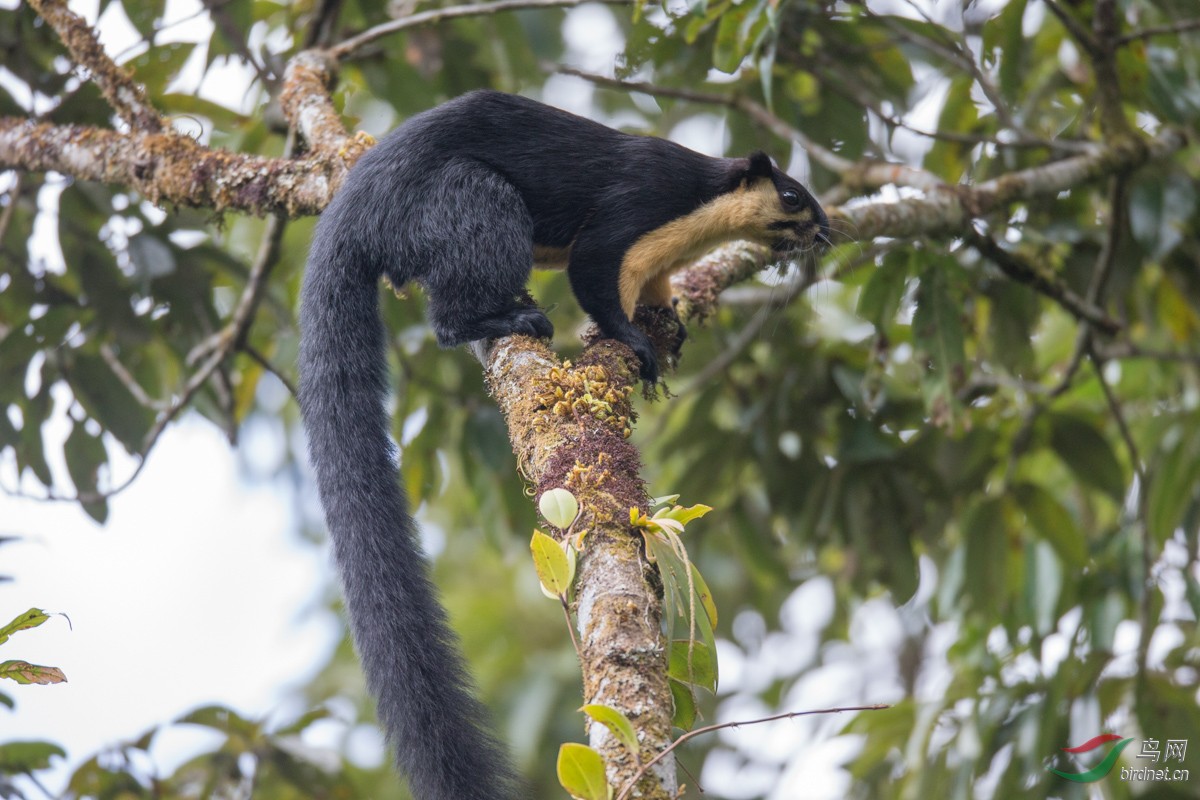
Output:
x=568 y=424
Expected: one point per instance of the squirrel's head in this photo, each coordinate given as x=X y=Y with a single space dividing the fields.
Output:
x=782 y=213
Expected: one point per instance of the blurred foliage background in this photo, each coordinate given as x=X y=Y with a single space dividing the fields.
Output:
x=934 y=487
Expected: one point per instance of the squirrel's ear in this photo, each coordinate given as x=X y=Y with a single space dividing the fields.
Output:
x=760 y=166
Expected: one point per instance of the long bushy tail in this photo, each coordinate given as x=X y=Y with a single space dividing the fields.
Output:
x=408 y=651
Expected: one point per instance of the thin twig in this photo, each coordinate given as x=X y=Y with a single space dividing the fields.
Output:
x=849 y=87
x=1022 y=271
x=867 y=174
x=127 y=380
x=984 y=384
x=323 y=24
x=229 y=29
x=354 y=43
x=566 y=607
x=755 y=111
x=710 y=728
x=690 y=776
x=1105 y=28
x=126 y=97
x=1073 y=26
x=233 y=335
x=1115 y=407
x=955 y=52
x=41 y=786
x=258 y=356
x=1100 y=274
x=1146 y=628
x=1129 y=350
x=1084 y=338
x=1158 y=30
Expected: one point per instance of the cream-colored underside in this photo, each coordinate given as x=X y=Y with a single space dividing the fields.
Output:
x=743 y=213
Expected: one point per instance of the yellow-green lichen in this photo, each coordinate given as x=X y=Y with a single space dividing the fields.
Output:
x=586 y=393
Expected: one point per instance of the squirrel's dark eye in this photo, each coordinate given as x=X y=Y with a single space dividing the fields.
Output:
x=791 y=197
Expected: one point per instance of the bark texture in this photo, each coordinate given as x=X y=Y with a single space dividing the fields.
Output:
x=568 y=424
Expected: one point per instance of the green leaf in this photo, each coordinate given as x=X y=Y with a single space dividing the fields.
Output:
x=1088 y=454
x=144 y=16
x=616 y=722
x=678 y=581
x=306 y=719
x=665 y=500
x=222 y=719
x=880 y=298
x=685 y=705
x=948 y=159
x=728 y=50
x=1053 y=523
x=864 y=443
x=704 y=595
x=158 y=66
x=1176 y=313
x=1012 y=44
x=694 y=663
x=30 y=619
x=938 y=334
x=26 y=673
x=1160 y=207
x=94 y=778
x=667 y=524
x=19 y=758
x=197 y=106
x=85 y=455
x=559 y=507
x=987 y=555
x=683 y=515
x=554 y=568
x=1174 y=484
x=1015 y=311
x=581 y=772
x=31 y=452
x=1041 y=591
x=108 y=401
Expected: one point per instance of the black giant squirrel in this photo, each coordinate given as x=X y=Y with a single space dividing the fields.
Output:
x=464 y=199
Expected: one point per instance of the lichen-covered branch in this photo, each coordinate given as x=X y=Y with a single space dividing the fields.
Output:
x=307 y=105
x=118 y=88
x=942 y=210
x=171 y=169
x=950 y=209
x=568 y=427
